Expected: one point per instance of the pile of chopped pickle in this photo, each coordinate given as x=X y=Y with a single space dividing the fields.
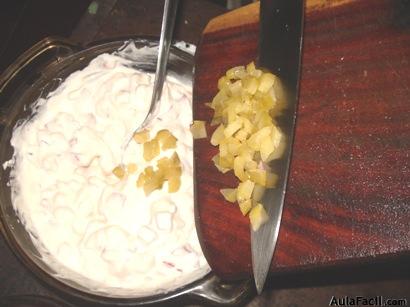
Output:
x=247 y=136
x=167 y=168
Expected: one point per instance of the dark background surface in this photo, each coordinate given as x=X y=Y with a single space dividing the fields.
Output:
x=24 y=22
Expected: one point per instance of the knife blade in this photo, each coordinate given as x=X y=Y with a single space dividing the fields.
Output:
x=280 y=45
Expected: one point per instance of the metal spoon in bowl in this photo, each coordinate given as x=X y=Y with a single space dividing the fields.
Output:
x=168 y=21
x=167 y=27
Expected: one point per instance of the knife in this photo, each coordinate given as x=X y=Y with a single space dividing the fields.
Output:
x=280 y=45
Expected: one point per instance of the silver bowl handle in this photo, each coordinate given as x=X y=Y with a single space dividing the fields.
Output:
x=212 y=289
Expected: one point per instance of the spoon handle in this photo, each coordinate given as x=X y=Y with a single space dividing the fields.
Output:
x=168 y=21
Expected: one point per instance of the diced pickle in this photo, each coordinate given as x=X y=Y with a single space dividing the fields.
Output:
x=209 y=105
x=141 y=180
x=119 y=171
x=258 y=216
x=257 y=193
x=152 y=185
x=241 y=135
x=234 y=146
x=149 y=173
x=251 y=69
x=198 y=129
x=175 y=171
x=217 y=164
x=267 y=147
x=151 y=149
x=245 y=206
x=166 y=139
x=232 y=128
x=146 y=176
x=239 y=168
x=141 y=136
x=235 y=88
x=218 y=135
x=227 y=161
x=175 y=159
x=236 y=72
x=266 y=81
x=256 y=138
x=250 y=84
x=248 y=127
x=258 y=176
x=216 y=121
x=174 y=183
x=163 y=162
x=245 y=190
x=229 y=194
x=251 y=164
x=223 y=148
x=169 y=143
x=223 y=82
x=170 y=170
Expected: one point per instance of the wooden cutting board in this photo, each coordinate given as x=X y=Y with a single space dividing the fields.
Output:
x=348 y=197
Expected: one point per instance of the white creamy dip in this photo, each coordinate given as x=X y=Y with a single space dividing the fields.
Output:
x=89 y=225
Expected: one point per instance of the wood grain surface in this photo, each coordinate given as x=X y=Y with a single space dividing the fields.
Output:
x=348 y=197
